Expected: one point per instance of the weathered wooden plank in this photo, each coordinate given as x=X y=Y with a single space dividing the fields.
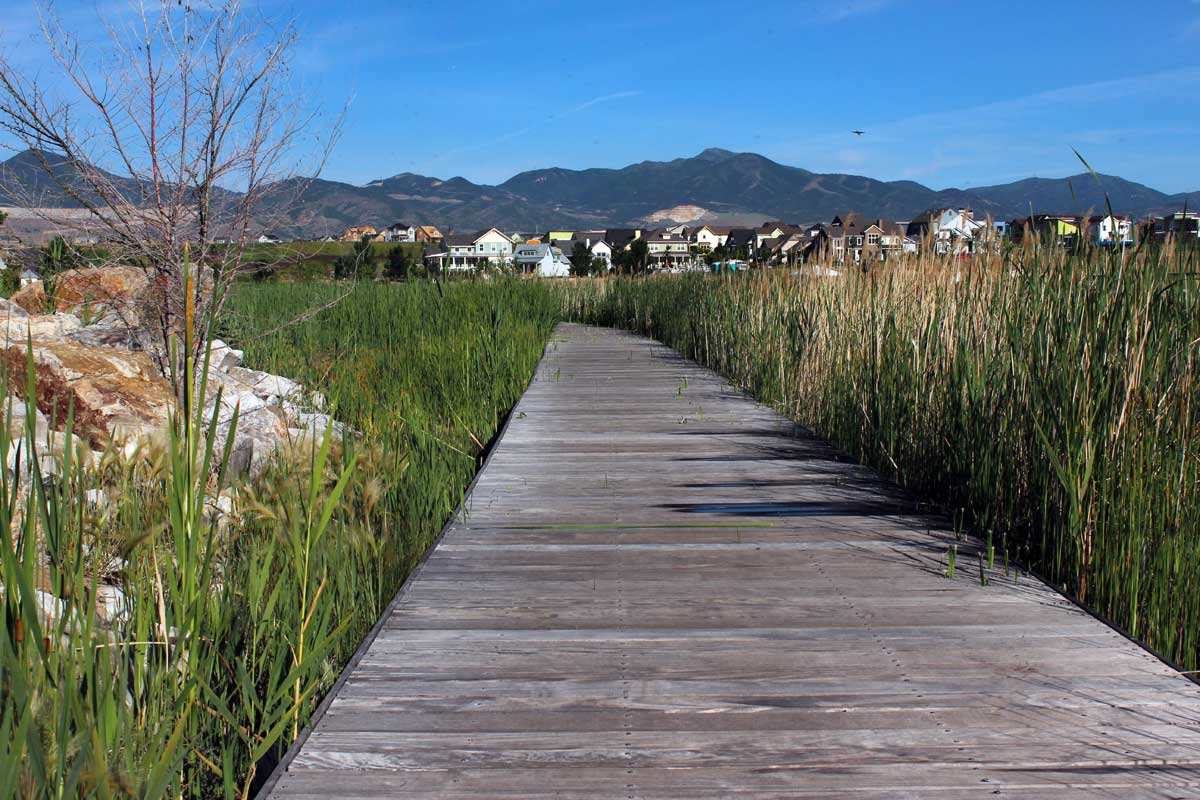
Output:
x=659 y=588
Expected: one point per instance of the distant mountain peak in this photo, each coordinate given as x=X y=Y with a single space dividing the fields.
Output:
x=716 y=184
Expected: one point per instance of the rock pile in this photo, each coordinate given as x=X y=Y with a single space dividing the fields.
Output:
x=89 y=354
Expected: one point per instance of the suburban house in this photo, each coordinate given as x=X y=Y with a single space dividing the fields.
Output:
x=742 y=243
x=545 y=260
x=1110 y=229
x=884 y=239
x=619 y=239
x=399 y=232
x=596 y=243
x=774 y=230
x=846 y=239
x=268 y=238
x=1057 y=230
x=953 y=231
x=708 y=238
x=1179 y=225
x=792 y=248
x=469 y=251
x=356 y=232
x=667 y=249
x=428 y=234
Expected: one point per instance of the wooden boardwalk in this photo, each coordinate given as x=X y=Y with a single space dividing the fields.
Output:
x=660 y=589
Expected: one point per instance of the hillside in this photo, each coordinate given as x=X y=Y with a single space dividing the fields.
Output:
x=714 y=186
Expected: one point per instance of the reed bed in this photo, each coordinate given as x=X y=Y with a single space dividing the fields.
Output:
x=228 y=628
x=1050 y=401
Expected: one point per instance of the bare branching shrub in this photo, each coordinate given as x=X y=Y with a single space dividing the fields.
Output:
x=173 y=141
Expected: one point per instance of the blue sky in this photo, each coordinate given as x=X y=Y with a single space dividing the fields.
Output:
x=949 y=94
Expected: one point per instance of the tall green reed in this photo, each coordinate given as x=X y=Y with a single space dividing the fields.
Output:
x=222 y=630
x=1048 y=399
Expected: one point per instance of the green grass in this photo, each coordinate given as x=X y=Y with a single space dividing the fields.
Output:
x=231 y=631
x=1053 y=407
x=323 y=251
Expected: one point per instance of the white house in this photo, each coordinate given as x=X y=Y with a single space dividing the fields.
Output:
x=545 y=260
x=709 y=238
x=596 y=243
x=954 y=231
x=603 y=250
x=492 y=246
x=1111 y=229
x=399 y=232
x=268 y=238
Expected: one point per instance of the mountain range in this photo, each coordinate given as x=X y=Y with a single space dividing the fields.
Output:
x=716 y=186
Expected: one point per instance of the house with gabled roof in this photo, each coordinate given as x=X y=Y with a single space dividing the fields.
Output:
x=596 y=243
x=775 y=230
x=709 y=237
x=742 y=243
x=469 y=251
x=356 y=232
x=620 y=238
x=399 y=232
x=428 y=234
x=884 y=239
x=1110 y=229
x=546 y=260
x=846 y=238
x=667 y=249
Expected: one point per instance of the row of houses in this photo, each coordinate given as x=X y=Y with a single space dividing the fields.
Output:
x=397 y=232
x=847 y=238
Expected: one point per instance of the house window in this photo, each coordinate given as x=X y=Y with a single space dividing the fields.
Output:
x=872 y=238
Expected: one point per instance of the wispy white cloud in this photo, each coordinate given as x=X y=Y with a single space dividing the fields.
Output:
x=838 y=10
x=549 y=119
x=966 y=144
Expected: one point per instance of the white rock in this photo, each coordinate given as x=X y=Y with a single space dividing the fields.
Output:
x=96 y=499
x=316 y=424
x=110 y=603
x=272 y=388
x=223 y=357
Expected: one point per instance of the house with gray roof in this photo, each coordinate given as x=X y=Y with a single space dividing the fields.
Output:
x=546 y=260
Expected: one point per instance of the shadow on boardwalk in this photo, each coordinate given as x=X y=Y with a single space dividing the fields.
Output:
x=660 y=589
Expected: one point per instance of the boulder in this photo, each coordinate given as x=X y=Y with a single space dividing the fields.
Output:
x=259 y=433
x=10 y=309
x=17 y=329
x=317 y=424
x=108 y=331
x=121 y=288
x=115 y=393
x=223 y=357
x=274 y=389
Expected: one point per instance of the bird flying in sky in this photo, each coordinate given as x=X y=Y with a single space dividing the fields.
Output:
x=858 y=133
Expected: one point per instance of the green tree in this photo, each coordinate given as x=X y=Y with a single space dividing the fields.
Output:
x=639 y=256
x=360 y=263
x=581 y=260
x=399 y=264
